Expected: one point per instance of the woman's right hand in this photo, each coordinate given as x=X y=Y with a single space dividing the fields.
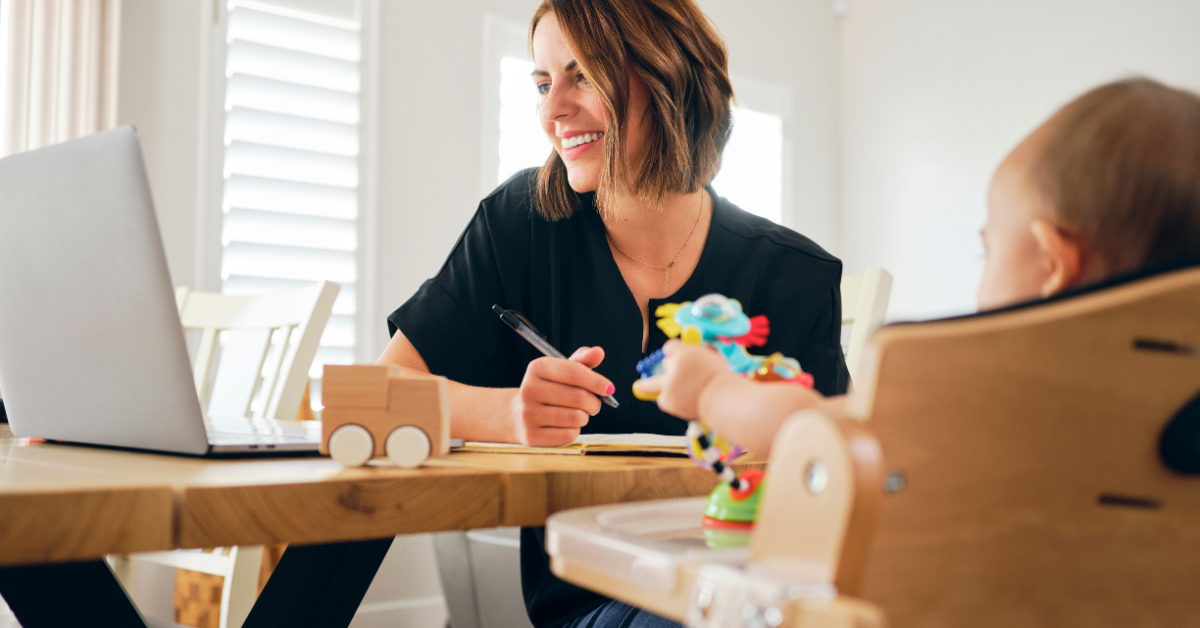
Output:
x=557 y=397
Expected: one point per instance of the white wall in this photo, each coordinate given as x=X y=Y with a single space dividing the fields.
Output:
x=429 y=144
x=159 y=92
x=794 y=45
x=935 y=92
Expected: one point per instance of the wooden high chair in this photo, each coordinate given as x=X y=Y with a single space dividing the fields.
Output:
x=1040 y=467
x=1025 y=478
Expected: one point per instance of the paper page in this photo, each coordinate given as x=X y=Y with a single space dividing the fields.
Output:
x=596 y=442
x=645 y=440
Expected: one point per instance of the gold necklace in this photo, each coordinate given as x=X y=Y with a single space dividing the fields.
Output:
x=666 y=269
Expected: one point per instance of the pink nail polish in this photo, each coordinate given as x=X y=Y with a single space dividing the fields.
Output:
x=610 y=390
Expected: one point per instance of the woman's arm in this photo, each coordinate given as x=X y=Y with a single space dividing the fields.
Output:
x=555 y=399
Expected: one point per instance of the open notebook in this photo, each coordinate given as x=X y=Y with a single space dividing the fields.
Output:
x=594 y=444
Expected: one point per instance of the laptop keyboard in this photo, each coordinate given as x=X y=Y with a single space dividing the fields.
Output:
x=262 y=431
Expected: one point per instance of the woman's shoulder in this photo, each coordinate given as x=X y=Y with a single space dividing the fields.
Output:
x=511 y=206
x=514 y=198
x=761 y=232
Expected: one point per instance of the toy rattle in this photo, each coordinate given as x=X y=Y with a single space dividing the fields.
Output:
x=717 y=322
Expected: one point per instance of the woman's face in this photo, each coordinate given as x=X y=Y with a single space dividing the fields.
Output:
x=571 y=110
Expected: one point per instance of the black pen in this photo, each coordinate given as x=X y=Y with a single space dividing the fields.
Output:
x=513 y=319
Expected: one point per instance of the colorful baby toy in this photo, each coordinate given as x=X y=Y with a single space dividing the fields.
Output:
x=717 y=322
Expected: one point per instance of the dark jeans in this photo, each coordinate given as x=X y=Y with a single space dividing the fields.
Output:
x=619 y=615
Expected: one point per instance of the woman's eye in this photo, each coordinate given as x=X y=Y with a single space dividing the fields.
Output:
x=582 y=79
x=543 y=89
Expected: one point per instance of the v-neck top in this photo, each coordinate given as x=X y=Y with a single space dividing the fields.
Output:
x=562 y=276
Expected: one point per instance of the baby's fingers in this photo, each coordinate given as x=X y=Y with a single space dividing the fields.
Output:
x=648 y=389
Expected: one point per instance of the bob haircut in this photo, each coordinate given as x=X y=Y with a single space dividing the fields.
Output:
x=676 y=51
x=1121 y=168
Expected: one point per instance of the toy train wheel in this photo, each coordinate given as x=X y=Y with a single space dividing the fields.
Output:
x=351 y=445
x=408 y=446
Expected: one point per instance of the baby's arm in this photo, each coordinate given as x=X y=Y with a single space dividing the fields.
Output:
x=697 y=384
x=751 y=413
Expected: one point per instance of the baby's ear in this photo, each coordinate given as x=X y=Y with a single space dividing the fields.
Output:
x=1060 y=257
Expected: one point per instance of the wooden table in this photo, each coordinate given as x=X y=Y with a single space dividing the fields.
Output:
x=62 y=503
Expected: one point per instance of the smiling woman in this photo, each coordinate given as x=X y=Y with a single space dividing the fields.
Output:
x=635 y=100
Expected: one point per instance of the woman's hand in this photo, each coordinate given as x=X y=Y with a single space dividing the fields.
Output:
x=687 y=370
x=557 y=397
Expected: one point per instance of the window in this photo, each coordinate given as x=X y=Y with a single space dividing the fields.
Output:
x=523 y=144
x=751 y=173
x=752 y=169
x=291 y=188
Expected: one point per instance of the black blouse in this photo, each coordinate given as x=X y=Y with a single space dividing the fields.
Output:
x=563 y=278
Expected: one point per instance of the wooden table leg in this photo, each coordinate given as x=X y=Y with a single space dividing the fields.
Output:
x=68 y=594
x=318 y=586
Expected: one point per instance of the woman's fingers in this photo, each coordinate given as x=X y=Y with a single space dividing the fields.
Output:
x=571 y=374
x=551 y=393
x=558 y=418
x=557 y=397
x=551 y=437
x=590 y=357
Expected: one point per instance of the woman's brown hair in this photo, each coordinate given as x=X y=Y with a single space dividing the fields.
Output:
x=1121 y=168
x=676 y=51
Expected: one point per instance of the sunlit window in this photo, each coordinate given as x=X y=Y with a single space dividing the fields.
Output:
x=523 y=144
x=751 y=174
x=752 y=167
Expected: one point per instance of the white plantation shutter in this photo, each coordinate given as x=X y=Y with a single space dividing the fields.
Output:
x=291 y=163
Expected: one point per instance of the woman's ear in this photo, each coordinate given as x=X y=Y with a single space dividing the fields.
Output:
x=1060 y=257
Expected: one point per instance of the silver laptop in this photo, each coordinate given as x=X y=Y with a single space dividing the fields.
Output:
x=91 y=345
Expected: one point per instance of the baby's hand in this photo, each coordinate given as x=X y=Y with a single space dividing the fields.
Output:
x=687 y=370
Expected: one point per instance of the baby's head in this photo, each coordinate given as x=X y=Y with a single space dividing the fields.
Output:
x=1109 y=184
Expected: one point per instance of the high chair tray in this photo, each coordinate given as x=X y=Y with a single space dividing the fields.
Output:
x=642 y=543
x=789 y=572
x=656 y=555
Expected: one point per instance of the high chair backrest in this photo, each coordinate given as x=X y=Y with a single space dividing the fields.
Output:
x=262 y=343
x=864 y=305
x=1025 y=485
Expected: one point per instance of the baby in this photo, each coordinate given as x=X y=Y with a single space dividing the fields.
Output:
x=1109 y=184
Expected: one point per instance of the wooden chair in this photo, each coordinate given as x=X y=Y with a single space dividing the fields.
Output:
x=864 y=305
x=483 y=564
x=250 y=348
x=1031 y=476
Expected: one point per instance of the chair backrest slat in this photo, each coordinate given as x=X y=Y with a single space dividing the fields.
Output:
x=864 y=304
x=202 y=366
x=237 y=339
x=242 y=355
x=276 y=354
